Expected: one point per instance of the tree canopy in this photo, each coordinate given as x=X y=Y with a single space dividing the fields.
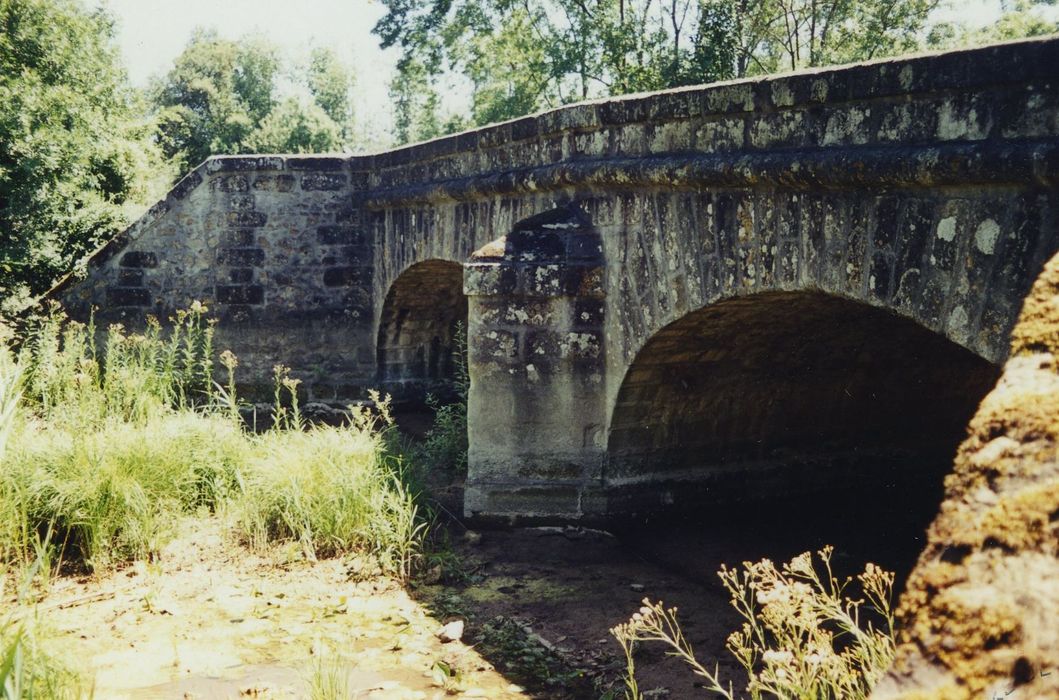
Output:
x=223 y=96
x=520 y=56
x=75 y=150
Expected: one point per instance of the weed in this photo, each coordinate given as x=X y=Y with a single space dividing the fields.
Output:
x=105 y=450
x=330 y=489
x=29 y=669
x=329 y=679
x=445 y=444
x=803 y=637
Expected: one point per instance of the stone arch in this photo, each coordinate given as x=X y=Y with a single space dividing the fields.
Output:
x=417 y=330
x=782 y=392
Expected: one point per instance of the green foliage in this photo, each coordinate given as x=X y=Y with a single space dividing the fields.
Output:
x=1020 y=19
x=75 y=156
x=515 y=650
x=105 y=454
x=30 y=671
x=520 y=57
x=222 y=97
x=106 y=451
x=331 y=83
x=295 y=126
x=445 y=445
x=332 y=490
x=803 y=636
x=214 y=97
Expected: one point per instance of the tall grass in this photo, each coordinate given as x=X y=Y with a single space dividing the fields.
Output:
x=107 y=448
x=332 y=490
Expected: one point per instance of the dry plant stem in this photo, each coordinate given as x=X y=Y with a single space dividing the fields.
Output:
x=802 y=635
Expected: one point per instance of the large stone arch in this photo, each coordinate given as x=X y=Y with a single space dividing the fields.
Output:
x=773 y=394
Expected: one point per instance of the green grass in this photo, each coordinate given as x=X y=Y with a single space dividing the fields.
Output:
x=333 y=490
x=102 y=450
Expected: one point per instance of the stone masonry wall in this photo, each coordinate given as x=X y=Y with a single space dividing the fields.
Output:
x=273 y=247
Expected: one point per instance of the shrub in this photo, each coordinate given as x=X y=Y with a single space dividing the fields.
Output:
x=112 y=494
x=106 y=450
x=803 y=637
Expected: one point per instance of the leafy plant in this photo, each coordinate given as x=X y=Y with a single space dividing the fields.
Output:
x=445 y=444
x=76 y=157
x=333 y=490
x=803 y=636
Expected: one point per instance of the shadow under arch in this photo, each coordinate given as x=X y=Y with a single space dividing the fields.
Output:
x=799 y=404
x=418 y=328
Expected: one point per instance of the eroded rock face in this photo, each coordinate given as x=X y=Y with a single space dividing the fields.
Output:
x=979 y=615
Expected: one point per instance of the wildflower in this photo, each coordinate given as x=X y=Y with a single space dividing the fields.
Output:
x=777 y=657
x=229 y=360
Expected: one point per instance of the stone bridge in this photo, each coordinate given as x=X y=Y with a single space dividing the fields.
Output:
x=764 y=286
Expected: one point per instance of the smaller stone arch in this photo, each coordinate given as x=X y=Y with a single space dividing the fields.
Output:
x=418 y=337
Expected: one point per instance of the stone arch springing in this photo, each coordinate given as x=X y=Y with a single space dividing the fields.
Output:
x=789 y=392
x=418 y=330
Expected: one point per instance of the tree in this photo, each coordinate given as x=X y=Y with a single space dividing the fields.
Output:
x=296 y=127
x=331 y=84
x=215 y=96
x=74 y=154
x=525 y=55
x=1020 y=19
x=224 y=96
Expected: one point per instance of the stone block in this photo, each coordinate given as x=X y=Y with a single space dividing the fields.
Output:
x=541 y=280
x=241 y=257
x=339 y=235
x=243 y=219
x=241 y=275
x=130 y=277
x=230 y=183
x=274 y=183
x=489 y=279
x=240 y=294
x=136 y=258
x=128 y=296
x=347 y=276
x=326 y=182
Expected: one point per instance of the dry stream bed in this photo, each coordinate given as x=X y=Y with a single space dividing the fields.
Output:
x=209 y=619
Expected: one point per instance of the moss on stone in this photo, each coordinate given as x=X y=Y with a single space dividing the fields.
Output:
x=975 y=615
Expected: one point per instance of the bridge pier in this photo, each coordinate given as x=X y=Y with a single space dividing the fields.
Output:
x=536 y=408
